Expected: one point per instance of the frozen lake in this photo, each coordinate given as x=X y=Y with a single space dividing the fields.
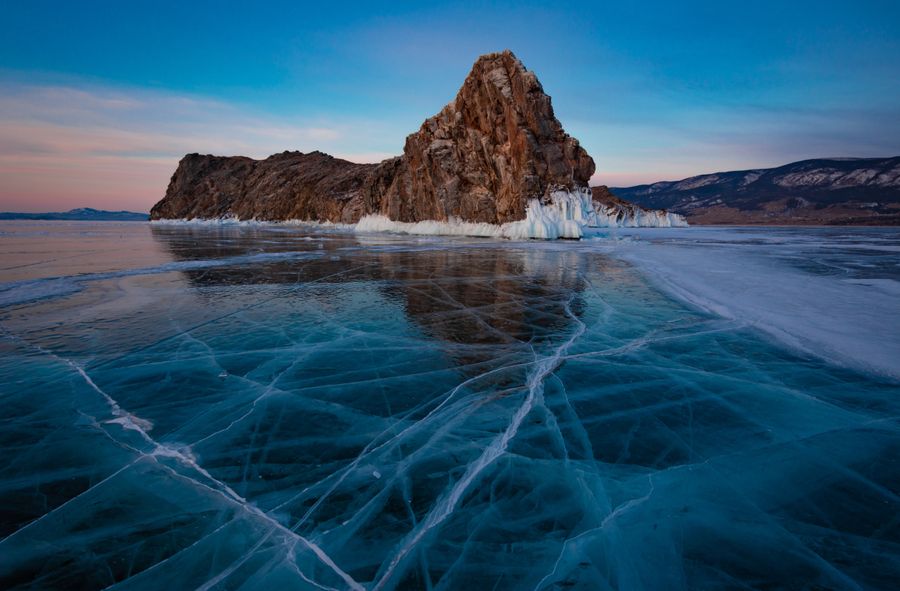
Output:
x=252 y=407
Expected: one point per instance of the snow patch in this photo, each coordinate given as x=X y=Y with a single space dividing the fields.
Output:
x=563 y=217
x=751 y=177
x=809 y=178
x=888 y=178
x=696 y=182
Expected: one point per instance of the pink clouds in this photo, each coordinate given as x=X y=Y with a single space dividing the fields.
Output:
x=622 y=179
x=97 y=146
x=64 y=147
x=53 y=182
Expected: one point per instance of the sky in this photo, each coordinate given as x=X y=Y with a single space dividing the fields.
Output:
x=99 y=100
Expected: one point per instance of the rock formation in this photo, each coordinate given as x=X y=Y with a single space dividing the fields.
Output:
x=495 y=155
x=290 y=185
x=486 y=153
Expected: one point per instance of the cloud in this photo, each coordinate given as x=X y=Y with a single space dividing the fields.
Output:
x=82 y=144
x=65 y=146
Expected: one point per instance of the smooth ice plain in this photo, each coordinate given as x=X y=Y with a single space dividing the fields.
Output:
x=285 y=408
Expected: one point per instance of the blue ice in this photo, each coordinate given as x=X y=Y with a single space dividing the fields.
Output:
x=280 y=408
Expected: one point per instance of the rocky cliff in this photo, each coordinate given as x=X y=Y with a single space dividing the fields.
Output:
x=496 y=155
x=821 y=191
x=497 y=145
x=486 y=153
x=290 y=185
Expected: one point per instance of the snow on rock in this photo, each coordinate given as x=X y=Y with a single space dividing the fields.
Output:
x=696 y=182
x=888 y=178
x=860 y=176
x=751 y=177
x=819 y=176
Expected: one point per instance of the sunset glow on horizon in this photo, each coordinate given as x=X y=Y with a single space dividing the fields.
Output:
x=97 y=105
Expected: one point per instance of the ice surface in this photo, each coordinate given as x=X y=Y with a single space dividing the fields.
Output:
x=271 y=407
x=829 y=292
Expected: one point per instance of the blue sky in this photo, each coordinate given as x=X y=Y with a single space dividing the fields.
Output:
x=99 y=100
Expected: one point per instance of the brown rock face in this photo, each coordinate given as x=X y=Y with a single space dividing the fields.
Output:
x=487 y=152
x=480 y=159
x=290 y=185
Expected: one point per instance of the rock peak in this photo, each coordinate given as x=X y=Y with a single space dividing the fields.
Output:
x=497 y=145
x=498 y=69
x=482 y=158
x=505 y=57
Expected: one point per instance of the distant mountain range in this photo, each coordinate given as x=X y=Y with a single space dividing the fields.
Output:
x=81 y=214
x=858 y=191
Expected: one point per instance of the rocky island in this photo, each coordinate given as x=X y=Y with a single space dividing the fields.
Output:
x=494 y=162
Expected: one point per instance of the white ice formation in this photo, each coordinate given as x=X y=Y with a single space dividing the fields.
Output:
x=565 y=216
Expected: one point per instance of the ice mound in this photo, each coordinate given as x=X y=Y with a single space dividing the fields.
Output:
x=564 y=215
x=616 y=217
x=453 y=227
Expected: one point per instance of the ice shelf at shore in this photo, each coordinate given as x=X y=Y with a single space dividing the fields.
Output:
x=565 y=215
x=611 y=216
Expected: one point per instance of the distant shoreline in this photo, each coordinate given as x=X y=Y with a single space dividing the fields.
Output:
x=86 y=214
x=694 y=225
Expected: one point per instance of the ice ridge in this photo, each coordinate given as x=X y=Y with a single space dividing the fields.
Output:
x=564 y=215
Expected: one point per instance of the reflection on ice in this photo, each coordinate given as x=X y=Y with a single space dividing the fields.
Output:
x=271 y=409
